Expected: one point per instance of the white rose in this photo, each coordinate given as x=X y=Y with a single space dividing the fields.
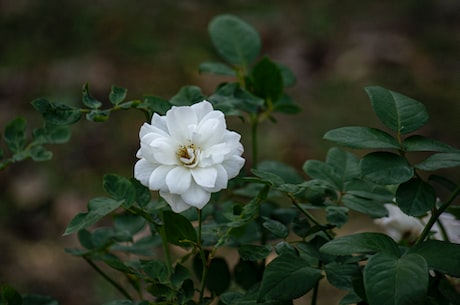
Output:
x=187 y=155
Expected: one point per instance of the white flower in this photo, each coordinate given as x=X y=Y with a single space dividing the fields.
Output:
x=400 y=226
x=187 y=155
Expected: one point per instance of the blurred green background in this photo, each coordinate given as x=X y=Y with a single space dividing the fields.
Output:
x=50 y=48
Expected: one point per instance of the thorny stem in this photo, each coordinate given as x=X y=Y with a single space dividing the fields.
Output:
x=108 y=278
x=307 y=214
x=435 y=215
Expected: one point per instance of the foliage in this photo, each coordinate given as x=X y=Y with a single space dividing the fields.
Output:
x=270 y=215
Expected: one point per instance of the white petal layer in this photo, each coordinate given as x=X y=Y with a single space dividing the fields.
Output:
x=176 y=203
x=142 y=171
x=178 y=180
x=205 y=177
x=196 y=196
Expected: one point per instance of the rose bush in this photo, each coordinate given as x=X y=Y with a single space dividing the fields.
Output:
x=283 y=223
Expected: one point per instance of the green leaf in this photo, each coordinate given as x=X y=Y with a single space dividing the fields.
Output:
x=269 y=177
x=371 y=207
x=287 y=75
x=362 y=137
x=369 y=190
x=421 y=143
x=97 y=115
x=179 y=275
x=218 y=279
x=346 y=164
x=254 y=252
x=322 y=171
x=367 y=242
x=286 y=105
x=337 y=215
x=390 y=280
x=386 y=168
x=287 y=277
x=439 y=161
x=97 y=209
x=117 y=95
x=247 y=273
x=230 y=98
x=340 y=275
x=143 y=195
x=156 y=270
x=57 y=114
x=235 y=40
x=35 y=299
x=130 y=223
x=287 y=173
x=398 y=112
x=39 y=153
x=9 y=295
x=216 y=68
x=267 y=80
x=120 y=302
x=52 y=134
x=275 y=227
x=440 y=255
x=15 y=134
x=155 y=104
x=415 y=197
x=119 y=188
x=88 y=100
x=187 y=95
x=179 y=230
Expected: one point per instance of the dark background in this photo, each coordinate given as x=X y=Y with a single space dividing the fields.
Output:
x=51 y=48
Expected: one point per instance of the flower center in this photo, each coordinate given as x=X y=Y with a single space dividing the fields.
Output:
x=188 y=155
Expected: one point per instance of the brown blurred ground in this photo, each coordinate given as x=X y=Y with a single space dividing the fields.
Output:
x=51 y=48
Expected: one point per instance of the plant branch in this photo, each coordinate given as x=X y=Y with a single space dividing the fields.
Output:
x=204 y=260
x=435 y=215
x=307 y=214
x=108 y=278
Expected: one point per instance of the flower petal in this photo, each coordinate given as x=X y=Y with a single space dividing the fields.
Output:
x=160 y=122
x=155 y=129
x=143 y=170
x=157 y=179
x=233 y=165
x=178 y=180
x=221 y=179
x=181 y=122
x=176 y=203
x=209 y=132
x=214 y=155
x=164 y=151
x=201 y=109
x=204 y=176
x=196 y=196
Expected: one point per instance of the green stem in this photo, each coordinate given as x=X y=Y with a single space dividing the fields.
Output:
x=314 y=297
x=165 y=244
x=435 y=215
x=254 y=143
x=204 y=261
x=307 y=214
x=108 y=278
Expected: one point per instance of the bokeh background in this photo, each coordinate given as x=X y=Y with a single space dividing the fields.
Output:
x=50 y=48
